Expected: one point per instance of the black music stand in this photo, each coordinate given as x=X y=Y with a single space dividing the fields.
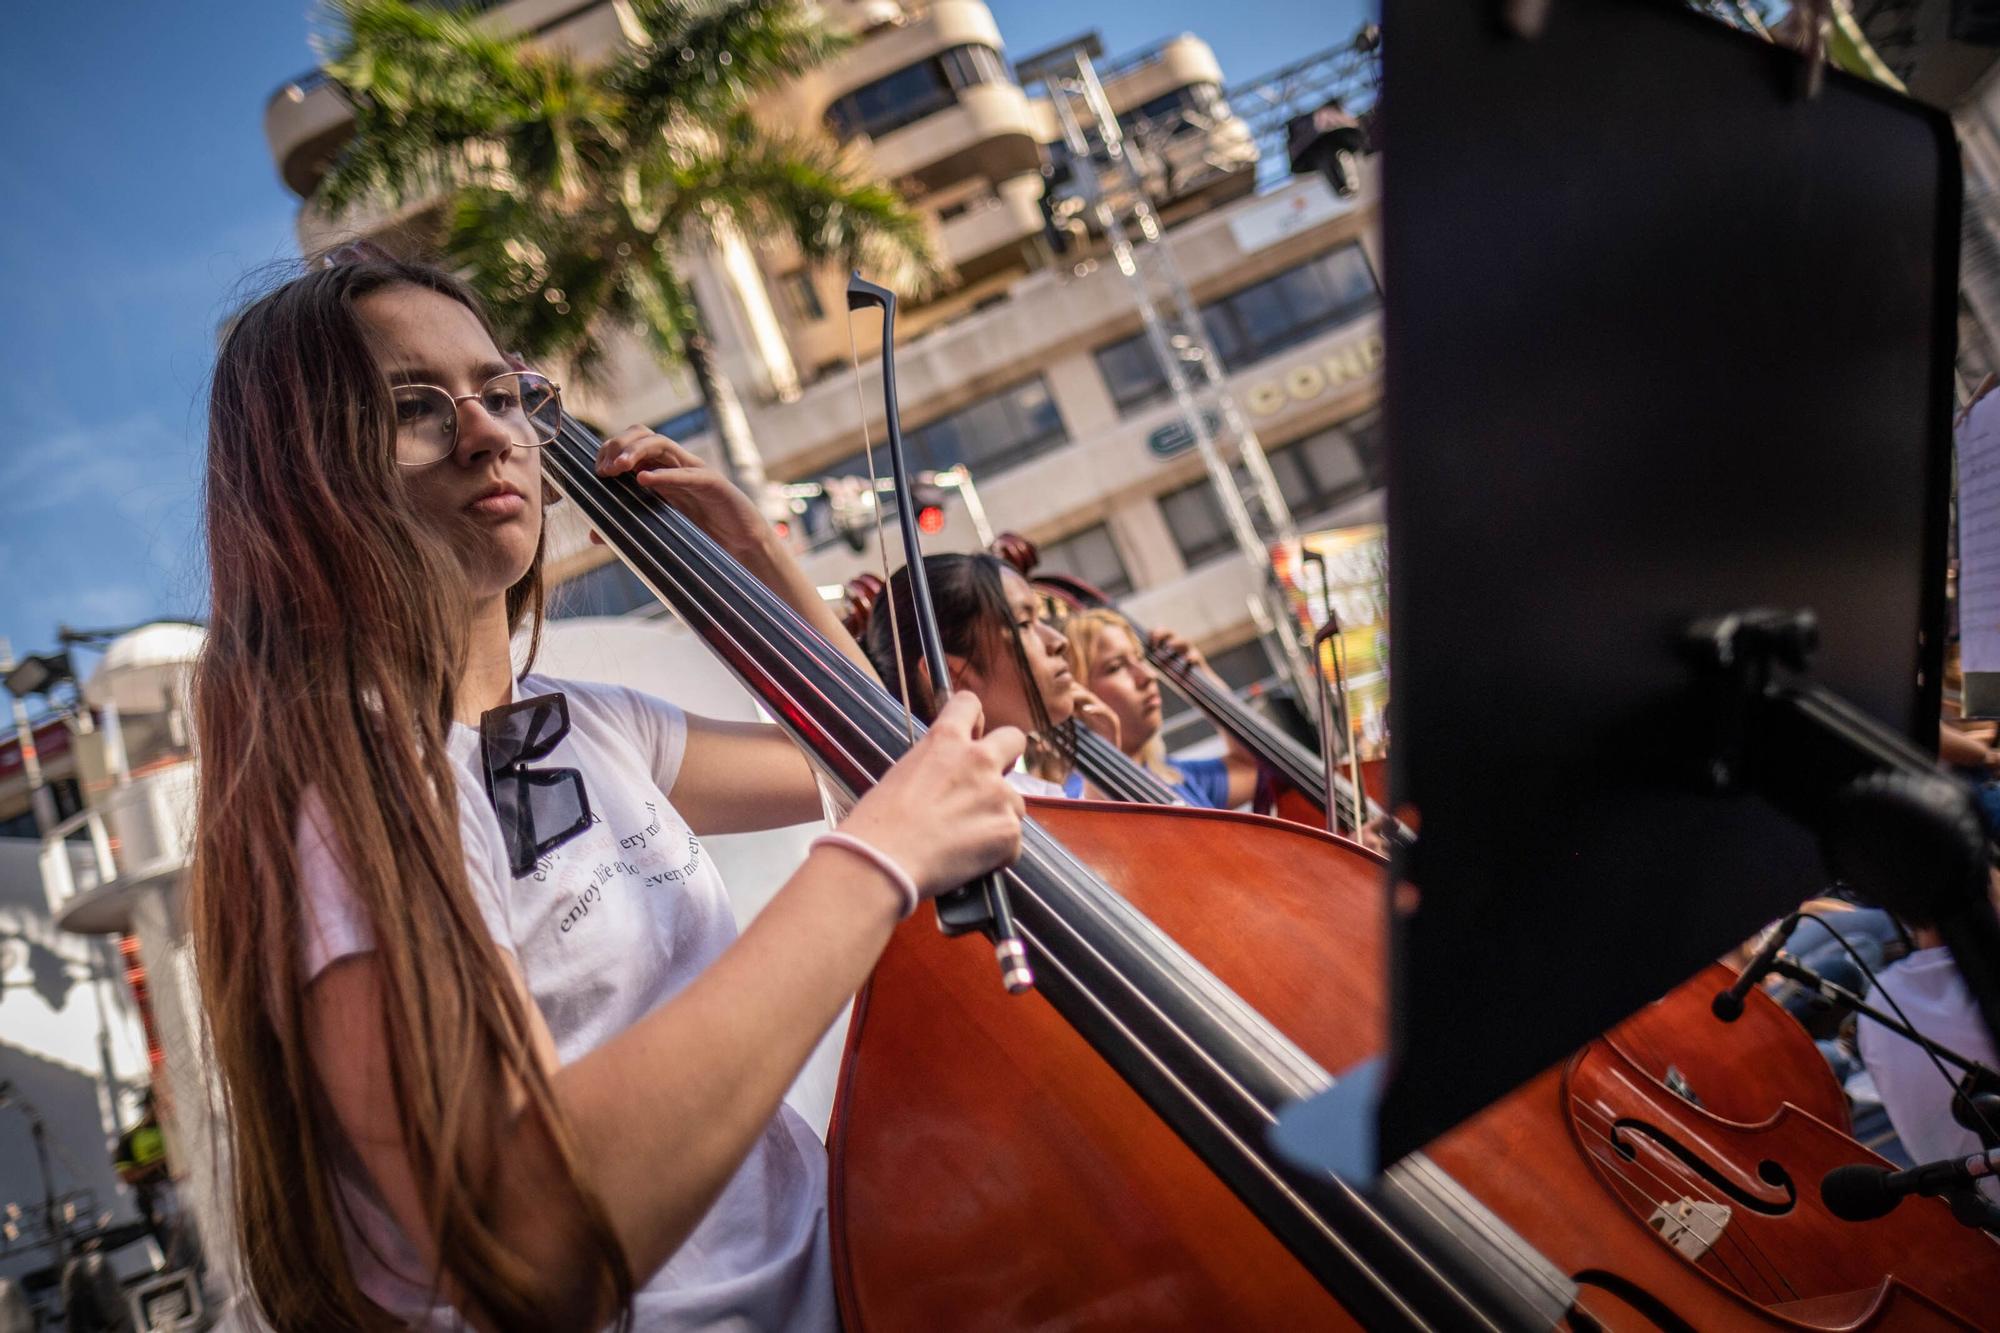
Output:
x=1669 y=340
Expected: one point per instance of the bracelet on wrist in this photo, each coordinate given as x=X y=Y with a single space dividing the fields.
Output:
x=899 y=878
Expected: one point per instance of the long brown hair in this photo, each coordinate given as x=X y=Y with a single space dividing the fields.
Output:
x=336 y=635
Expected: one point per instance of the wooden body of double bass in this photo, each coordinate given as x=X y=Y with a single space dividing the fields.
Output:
x=989 y=1172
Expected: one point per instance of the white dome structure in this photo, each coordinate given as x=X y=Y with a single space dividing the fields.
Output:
x=145 y=670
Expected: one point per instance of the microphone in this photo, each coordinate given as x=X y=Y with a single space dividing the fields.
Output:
x=1863 y=1192
x=1728 y=1004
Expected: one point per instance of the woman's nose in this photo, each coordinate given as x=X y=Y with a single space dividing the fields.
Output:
x=479 y=435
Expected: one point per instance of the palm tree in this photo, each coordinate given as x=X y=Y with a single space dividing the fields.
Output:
x=574 y=194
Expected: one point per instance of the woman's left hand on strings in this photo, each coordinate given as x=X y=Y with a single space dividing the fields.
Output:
x=687 y=483
x=1173 y=643
x=1095 y=714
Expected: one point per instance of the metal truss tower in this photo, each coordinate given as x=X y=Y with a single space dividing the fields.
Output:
x=1115 y=196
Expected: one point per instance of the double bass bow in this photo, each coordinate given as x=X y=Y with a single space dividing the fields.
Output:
x=1096 y=1153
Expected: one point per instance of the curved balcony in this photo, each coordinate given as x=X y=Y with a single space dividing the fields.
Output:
x=305 y=122
x=989 y=132
x=947 y=23
x=141 y=836
x=973 y=239
x=1178 y=62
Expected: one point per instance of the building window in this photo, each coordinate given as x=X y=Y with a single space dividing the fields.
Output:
x=913 y=92
x=1318 y=472
x=1243 y=667
x=1131 y=372
x=680 y=429
x=803 y=295
x=1284 y=310
x=1194 y=517
x=993 y=434
x=1261 y=320
x=608 y=590
x=1181 y=112
x=1089 y=555
x=67 y=798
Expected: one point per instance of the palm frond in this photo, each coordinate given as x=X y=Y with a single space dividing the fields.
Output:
x=704 y=61
x=665 y=309
x=807 y=189
x=426 y=86
x=540 y=272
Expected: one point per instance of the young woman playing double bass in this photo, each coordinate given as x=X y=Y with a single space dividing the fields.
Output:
x=493 y=1050
x=1112 y=663
x=1000 y=648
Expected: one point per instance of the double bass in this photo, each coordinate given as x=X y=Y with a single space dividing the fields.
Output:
x=1095 y=1154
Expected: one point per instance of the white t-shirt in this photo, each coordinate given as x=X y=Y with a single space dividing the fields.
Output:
x=604 y=928
x=1030 y=785
x=1917 y=1097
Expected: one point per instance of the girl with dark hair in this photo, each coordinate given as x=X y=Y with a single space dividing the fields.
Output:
x=1000 y=648
x=492 y=1050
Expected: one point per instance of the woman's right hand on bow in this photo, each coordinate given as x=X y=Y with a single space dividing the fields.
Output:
x=945 y=811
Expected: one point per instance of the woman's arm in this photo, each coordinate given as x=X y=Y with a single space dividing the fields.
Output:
x=665 y=1111
x=726 y=514
x=736 y=777
x=742 y=777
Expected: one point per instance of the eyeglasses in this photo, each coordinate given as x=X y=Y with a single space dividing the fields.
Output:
x=539 y=809
x=525 y=405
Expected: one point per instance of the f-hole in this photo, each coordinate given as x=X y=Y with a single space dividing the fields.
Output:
x=1768 y=1171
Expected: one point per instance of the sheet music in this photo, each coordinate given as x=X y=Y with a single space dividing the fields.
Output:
x=1979 y=536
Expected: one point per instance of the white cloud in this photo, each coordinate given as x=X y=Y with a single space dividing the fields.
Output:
x=98 y=519
x=135 y=459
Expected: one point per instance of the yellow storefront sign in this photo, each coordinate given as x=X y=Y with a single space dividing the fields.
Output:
x=1301 y=384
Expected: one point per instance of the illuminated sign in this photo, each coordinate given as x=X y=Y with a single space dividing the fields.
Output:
x=1314 y=379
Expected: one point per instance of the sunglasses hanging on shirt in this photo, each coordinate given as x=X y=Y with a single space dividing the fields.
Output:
x=539 y=809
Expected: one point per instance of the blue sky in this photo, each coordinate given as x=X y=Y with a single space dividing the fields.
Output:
x=141 y=194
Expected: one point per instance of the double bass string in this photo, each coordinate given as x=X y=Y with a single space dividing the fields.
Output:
x=1766 y=1272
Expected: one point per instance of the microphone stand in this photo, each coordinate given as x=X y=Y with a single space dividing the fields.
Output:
x=1833 y=993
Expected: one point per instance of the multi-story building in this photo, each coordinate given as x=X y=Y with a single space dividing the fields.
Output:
x=1029 y=368
x=84 y=1025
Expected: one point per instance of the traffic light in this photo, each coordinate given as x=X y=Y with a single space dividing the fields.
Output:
x=927 y=498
